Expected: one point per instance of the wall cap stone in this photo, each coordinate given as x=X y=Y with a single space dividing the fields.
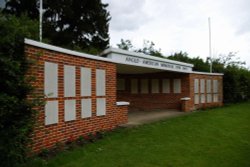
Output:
x=65 y=51
x=185 y=98
x=122 y=103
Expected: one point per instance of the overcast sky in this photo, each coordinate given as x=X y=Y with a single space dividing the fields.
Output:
x=182 y=25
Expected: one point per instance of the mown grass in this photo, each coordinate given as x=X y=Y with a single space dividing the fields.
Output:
x=215 y=137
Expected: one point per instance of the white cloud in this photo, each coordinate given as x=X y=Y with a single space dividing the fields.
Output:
x=182 y=25
x=128 y=15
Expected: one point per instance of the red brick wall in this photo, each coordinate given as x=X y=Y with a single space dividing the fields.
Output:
x=154 y=100
x=45 y=136
x=206 y=77
x=161 y=100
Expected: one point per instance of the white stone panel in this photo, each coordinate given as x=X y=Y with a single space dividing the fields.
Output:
x=155 y=86
x=144 y=86
x=85 y=81
x=69 y=81
x=202 y=86
x=177 y=85
x=50 y=79
x=69 y=110
x=196 y=85
x=215 y=86
x=51 y=112
x=120 y=84
x=209 y=88
x=203 y=99
x=134 y=86
x=86 y=106
x=209 y=98
x=165 y=86
x=100 y=106
x=100 y=82
x=215 y=98
x=196 y=99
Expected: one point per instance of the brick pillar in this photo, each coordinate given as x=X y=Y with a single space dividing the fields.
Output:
x=185 y=104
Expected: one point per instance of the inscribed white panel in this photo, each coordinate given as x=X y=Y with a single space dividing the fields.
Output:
x=209 y=86
x=202 y=86
x=215 y=86
x=203 y=100
x=165 y=86
x=69 y=110
x=100 y=82
x=144 y=85
x=50 y=79
x=177 y=85
x=134 y=86
x=209 y=98
x=100 y=106
x=196 y=85
x=69 y=81
x=196 y=99
x=155 y=86
x=86 y=108
x=85 y=81
x=51 y=112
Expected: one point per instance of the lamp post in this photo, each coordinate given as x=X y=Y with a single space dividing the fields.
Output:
x=41 y=20
x=210 y=46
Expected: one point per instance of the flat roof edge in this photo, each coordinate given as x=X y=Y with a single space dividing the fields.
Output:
x=131 y=53
x=63 y=50
x=206 y=73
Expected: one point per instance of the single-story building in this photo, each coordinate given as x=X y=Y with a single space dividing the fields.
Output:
x=87 y=93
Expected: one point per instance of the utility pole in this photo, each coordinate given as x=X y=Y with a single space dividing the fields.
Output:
x=41 y=21
x=210 y=46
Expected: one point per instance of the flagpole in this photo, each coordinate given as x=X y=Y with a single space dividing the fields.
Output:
x=41 y=20
x=210 y=46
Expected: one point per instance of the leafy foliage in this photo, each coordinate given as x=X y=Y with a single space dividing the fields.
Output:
x=148 y=48
x=236 y=79
x=74 y=24
x=16 y=113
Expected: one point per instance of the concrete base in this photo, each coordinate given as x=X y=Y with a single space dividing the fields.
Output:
x=144 y=117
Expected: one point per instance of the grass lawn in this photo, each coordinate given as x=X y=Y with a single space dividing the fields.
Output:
x=216 y=137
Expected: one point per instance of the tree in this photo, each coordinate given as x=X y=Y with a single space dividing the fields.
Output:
x=125 y=44
x=16 y=111
x=21 y=7
x=199 y=64
x=74 y=24
x=148 y=48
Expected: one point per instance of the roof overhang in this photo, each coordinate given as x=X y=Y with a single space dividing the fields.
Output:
x=149 y=63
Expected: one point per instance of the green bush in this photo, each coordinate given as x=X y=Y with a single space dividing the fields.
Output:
x=16 y=112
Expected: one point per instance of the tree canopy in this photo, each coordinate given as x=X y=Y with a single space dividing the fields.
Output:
x=74 y=24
